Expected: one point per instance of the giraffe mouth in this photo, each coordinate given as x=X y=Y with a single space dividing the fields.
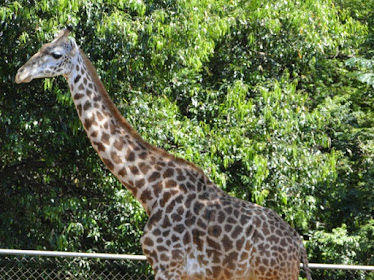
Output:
x=22 y=77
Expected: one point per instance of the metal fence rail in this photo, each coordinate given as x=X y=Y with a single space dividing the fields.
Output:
x=72 y=254
x=52 y=265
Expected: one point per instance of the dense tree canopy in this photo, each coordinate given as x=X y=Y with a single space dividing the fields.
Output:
x=272 y=99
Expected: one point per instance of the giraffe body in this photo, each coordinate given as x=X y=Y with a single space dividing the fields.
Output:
x=220 y=237
x=195 y=230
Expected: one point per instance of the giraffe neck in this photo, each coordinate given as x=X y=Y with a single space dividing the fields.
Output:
x=151 y=174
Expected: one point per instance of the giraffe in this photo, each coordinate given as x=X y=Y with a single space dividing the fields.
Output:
x=195 y=230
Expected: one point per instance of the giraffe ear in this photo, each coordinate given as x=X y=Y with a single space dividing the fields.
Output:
x=74 y=47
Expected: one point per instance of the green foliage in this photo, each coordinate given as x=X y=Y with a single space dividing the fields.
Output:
x=339 y=246
x=329 y=244
x=365 y=73
x=258 y=93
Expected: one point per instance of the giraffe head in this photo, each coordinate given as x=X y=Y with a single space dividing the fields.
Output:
x=53 y=59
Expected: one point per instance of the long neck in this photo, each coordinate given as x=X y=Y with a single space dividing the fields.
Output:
x=151 y=174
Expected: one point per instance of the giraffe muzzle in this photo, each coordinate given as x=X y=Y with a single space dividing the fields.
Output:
x=23 y=76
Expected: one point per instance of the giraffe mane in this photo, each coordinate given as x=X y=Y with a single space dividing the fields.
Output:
x=118 y=116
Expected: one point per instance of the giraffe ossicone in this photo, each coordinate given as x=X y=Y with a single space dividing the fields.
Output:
x=195 y=230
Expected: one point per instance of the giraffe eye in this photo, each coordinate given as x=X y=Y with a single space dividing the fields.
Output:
x=56 y=55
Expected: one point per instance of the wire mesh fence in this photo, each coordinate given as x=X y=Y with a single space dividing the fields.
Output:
x=26 y=267
x=334 y=274
x=46 y=265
